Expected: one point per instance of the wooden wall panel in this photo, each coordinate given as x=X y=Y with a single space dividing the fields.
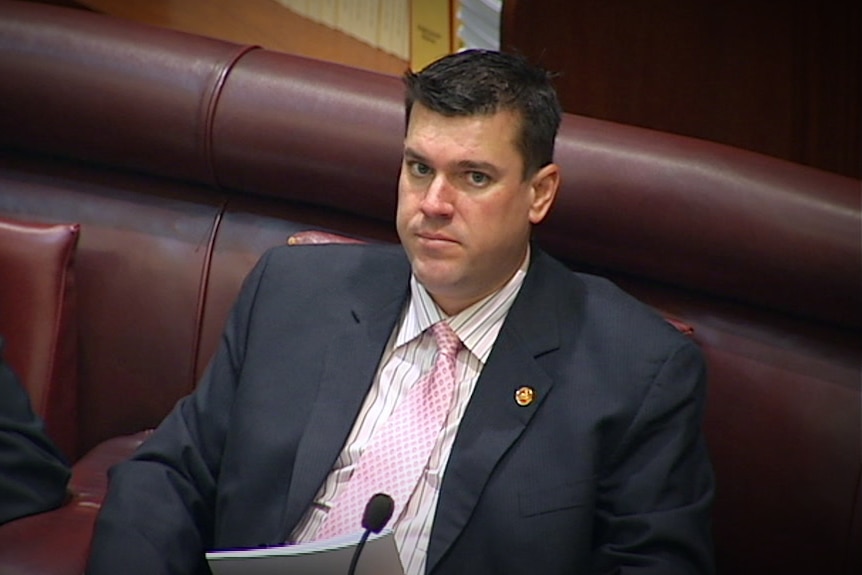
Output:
x=779 y=78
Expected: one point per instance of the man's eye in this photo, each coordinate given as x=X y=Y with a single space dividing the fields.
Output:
x=478 y=178
x=419 y=169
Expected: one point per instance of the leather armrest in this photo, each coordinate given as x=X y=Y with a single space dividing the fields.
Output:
x=58 y=542
x=38 y=320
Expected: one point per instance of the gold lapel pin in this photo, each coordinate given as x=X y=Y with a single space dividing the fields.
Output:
x=524 y=396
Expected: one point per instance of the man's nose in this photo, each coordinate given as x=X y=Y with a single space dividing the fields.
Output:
x=439 y=198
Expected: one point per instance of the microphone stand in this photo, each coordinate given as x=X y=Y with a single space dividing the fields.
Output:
x=358 y=551
x=378 y=510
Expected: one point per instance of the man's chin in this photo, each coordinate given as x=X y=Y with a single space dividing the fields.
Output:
x=435 y=276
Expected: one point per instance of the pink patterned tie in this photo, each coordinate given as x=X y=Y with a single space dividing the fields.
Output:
x=396 y=456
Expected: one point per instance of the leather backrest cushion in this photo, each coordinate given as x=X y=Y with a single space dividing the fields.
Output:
x=38 y=319
x=121 y=84
x=139 y=268
x=700 y=215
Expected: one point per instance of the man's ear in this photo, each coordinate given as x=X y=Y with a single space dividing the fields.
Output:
x=543 y=186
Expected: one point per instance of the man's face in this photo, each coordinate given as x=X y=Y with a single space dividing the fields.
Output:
x=465 y=210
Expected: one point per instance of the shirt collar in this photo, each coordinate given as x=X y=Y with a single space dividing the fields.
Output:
x=471 y=325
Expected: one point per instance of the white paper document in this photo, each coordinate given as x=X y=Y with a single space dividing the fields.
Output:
x=326 y=557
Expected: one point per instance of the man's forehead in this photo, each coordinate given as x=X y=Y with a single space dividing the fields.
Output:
x=510 y=116
x=477 y=138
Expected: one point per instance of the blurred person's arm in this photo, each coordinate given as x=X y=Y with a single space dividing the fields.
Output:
x=33 y=472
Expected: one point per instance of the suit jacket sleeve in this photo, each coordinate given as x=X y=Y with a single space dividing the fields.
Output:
x=158 y=515
x=657 y=490
x=33 y=472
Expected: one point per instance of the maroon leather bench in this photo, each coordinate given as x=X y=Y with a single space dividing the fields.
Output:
x=180 y=159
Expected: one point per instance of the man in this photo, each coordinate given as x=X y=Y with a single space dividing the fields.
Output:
x=33 y=472
x=571 y=442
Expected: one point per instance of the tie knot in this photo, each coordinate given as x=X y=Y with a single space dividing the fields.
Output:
x=447 y=340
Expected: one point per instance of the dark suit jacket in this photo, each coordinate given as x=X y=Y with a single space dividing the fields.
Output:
x=33 y=472
x=606 y=470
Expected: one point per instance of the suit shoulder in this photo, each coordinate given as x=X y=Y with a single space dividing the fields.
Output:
x=612 y=311
x=340 y=259
x=340 y=274
x=595 y=307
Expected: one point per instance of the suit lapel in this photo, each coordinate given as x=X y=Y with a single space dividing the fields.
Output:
x=351 y=361
x=493 y=420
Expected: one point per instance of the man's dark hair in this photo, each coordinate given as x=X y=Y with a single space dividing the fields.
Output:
x=480 y=82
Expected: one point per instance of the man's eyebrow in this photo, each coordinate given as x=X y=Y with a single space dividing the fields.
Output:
x=412 y=154
x=478 y=166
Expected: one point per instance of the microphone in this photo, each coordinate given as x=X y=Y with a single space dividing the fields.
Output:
x=378 y=510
